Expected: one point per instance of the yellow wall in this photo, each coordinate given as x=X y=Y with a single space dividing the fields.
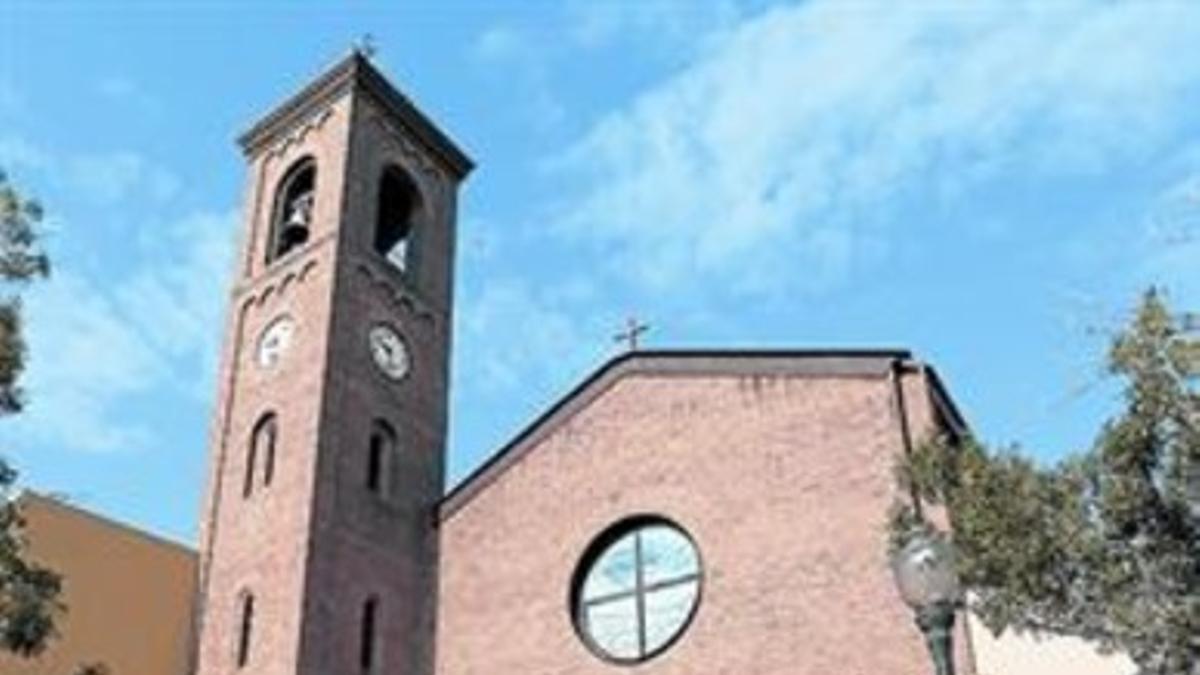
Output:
x=1046 y=655
x=129 y=594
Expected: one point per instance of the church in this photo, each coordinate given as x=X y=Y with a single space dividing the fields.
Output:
x=678 y=512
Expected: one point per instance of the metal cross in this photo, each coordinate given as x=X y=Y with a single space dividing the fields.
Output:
x=633 y=331
x=365 y=45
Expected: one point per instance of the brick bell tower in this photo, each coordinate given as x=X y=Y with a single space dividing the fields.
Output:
x=318 y=549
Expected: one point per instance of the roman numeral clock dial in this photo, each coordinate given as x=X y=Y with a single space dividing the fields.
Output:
x=389 y=352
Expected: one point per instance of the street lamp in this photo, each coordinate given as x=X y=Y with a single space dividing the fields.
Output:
x=926 y=579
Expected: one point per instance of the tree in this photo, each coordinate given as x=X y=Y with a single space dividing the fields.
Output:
x=21 y=261
x=1104 y=545
x=28 y=592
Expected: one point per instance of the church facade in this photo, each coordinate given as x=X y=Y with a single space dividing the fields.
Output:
x=679 y=512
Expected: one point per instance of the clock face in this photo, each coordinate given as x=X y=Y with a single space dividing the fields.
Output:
x=388 y=351
x=275 y=340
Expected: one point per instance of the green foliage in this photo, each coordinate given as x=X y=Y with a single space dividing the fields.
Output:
x=1104 y=545
x=20 y=261
x=28 y=592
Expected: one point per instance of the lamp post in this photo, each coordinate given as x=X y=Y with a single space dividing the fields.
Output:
x=927 y=581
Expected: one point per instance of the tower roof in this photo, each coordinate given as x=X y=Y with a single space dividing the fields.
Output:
x=356 y=73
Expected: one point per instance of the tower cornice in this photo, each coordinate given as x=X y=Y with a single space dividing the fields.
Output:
x=355 y=73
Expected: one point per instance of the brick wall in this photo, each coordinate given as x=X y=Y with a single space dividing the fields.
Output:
x=783 y=482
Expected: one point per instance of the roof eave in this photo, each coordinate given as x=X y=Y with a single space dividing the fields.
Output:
x=355 y=72
x=880 y=362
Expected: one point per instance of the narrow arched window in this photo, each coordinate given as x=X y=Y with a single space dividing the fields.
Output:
x=291 y=219
x=399 y=201
x=245 y=629
x=251 y=463
x=367 y=630
x=266 y=434
x=381 y=452
x=261 y=447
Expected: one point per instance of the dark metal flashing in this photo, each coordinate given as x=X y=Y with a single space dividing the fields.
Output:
x=356 y=72
x=945 y=405
x=802 y=362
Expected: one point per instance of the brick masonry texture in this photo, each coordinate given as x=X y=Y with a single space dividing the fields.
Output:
x=260 y=544
x=783 y=481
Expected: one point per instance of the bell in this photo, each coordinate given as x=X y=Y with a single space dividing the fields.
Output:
x=295 y=229
x=294 y=233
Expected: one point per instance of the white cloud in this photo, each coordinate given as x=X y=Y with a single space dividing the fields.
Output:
x=509 y=333
x=105 y=335
x=1175 y=217
x=178 y=303
x=1171 y=246
x=95 y=349
x=11 y=101
x=85 y=357
x=105 y=178
x=499 y=43
x=127 y=92
x=108 y=178
x=775 y=153
x=505 y=48
x=19 y=153
x=670 y=23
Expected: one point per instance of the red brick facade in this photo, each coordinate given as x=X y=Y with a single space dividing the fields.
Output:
x=778 y=465
x=780 y=468
x=315 y=545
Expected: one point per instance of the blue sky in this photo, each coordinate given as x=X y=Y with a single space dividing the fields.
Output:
x=990 y=184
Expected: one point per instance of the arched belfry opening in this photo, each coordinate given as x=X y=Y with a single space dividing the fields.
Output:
x=399 y=204
x=293 y=215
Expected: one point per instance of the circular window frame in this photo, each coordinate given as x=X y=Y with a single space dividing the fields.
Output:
x=592 y=554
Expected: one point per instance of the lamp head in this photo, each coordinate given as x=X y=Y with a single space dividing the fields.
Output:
x=925 y=573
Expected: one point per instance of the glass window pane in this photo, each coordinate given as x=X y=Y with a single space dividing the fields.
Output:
x=614 y=571
x=667 y=554
x=638 y=591
x=613 y=626
x=667 y=609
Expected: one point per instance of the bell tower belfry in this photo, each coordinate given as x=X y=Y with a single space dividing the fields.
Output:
x=318 y=549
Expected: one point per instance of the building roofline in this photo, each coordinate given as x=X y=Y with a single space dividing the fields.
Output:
x=946 y=405
x=813 y=362
x=28 y=495
x=355 y=72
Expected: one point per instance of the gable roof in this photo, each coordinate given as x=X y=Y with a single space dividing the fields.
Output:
x=812 y=362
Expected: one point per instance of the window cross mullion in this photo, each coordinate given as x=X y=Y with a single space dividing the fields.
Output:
x=647 y=588
x=618 y=581
x=640 y=590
